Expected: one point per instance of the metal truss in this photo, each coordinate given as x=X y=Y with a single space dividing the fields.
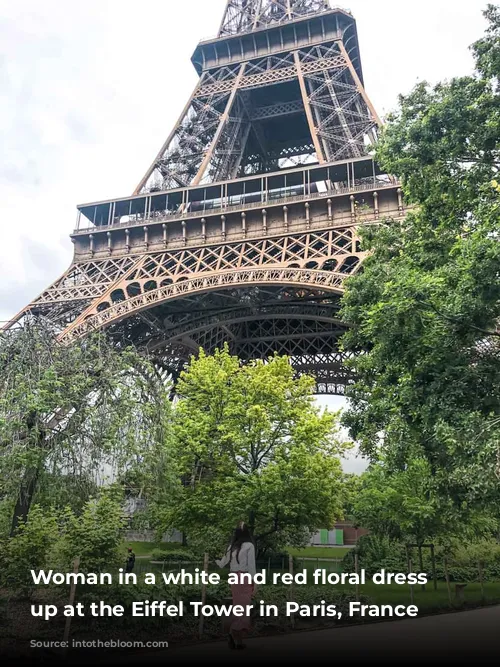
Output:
x=210 y=126
x=277 y=110
x=254 y=322
x=96 y=284
x=311 y=345
x=209 y=141
x=62 y=302
x=267 y=71
x=247 y=15
x=259 y=292
x=322 y=281
x=196 y=323
x=341 y=119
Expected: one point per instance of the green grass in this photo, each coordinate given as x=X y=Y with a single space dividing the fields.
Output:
x=145 y=549
x=334 y=553
x=428 y=600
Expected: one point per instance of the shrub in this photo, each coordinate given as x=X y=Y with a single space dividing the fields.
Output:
x=374 y=553
x=174 y=555
x=95 y=536
x=377 y=552
x=464 y=559
x=29 y=549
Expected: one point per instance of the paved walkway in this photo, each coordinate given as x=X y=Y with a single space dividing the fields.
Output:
x=447 y=637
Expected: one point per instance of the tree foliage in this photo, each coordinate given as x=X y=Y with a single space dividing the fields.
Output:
x=95 y=535
x=425 y=307
x=403 y=505
x=252 y=446
x=28 y=550
x=51 y=538
x=67 y=412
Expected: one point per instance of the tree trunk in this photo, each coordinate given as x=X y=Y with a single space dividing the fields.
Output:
x=434 y=574
x=481 y=580
x=251 y=522
x=24 y=500
x=30 y=479
x=447 y=577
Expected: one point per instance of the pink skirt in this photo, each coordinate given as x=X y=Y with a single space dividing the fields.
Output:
x=242 y=595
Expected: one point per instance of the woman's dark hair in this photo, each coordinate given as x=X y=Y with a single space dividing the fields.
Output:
x=241 y=535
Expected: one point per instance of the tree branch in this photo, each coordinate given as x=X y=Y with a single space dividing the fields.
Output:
x=457 y=320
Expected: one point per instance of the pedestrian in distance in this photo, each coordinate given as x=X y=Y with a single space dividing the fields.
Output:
x=130 y=560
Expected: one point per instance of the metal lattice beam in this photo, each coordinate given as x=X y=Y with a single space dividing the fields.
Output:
x=246 y=15
x=209 y=141
x=262 y=267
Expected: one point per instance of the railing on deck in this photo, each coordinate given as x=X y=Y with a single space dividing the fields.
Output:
x=172 y=216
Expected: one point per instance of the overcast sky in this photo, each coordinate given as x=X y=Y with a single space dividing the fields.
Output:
x=89 y=91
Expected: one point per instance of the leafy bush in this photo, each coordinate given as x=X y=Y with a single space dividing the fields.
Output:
x=29 y=549
x=374 y=553
x=95 y=536
x=464 y=559
x=174 y=555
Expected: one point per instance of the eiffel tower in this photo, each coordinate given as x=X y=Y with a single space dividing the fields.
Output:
x=244 y=228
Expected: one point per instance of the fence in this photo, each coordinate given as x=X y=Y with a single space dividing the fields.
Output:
x=438 y=595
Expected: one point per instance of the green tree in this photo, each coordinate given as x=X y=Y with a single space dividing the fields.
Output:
x=403 y=505
x=67 y=412
x=95 y=536
x=425 y=307
x=253 y=446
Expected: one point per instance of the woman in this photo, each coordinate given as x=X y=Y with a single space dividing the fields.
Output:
x=241 y=559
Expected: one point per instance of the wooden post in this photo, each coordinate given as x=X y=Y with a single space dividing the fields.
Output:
x=72 y=593
x=421 y=562
x=408 y=558
x=481 y=579
x=447 y=577
x=203 y=596
x=290 y=569
x=459 y=592
x=434 y=574
x=356 y=569
x=411 y=585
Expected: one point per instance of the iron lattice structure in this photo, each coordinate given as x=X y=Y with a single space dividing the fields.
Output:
x=246 y=15
x=244 y=228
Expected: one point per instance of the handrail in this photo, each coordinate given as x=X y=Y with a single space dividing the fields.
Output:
x=172 y=216
x=271 y=24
